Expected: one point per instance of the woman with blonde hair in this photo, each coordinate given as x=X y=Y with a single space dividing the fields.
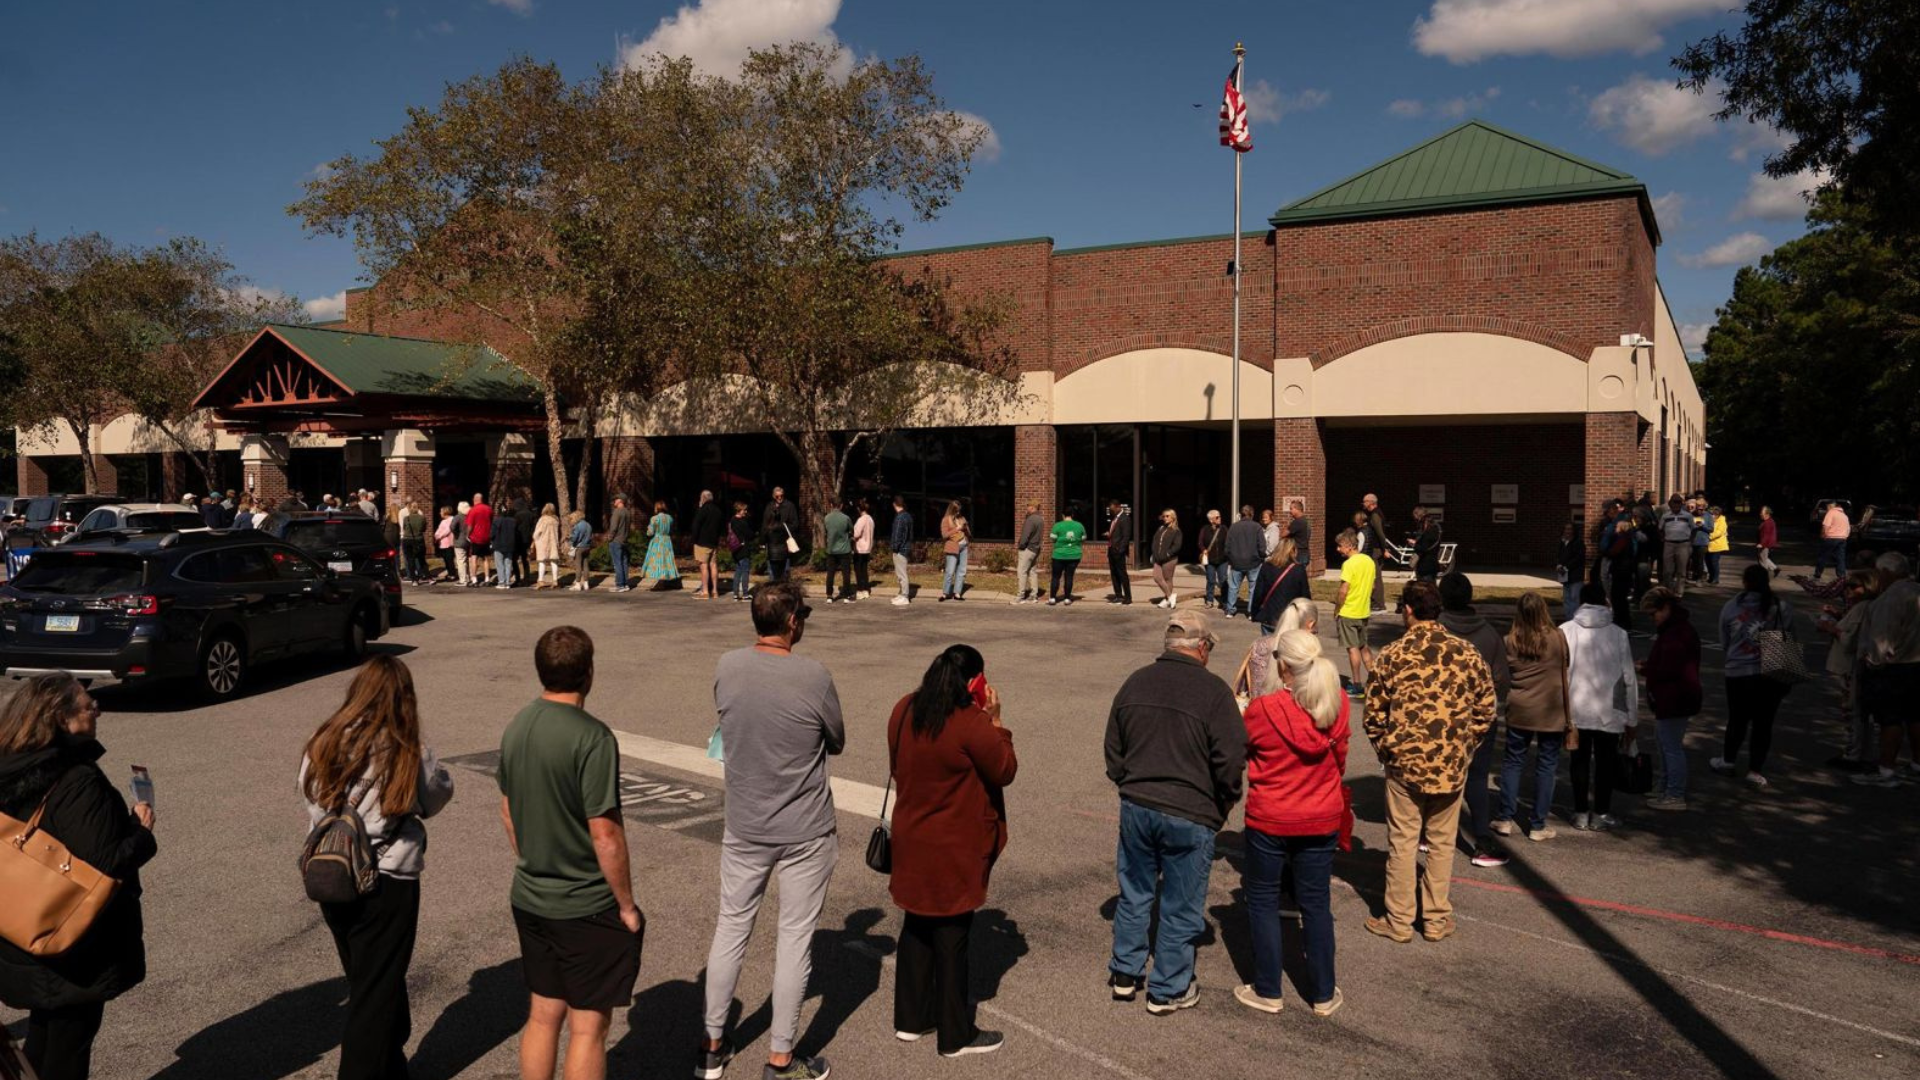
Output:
x=1296 y=806
x=49 y=765
x=1263 y=675
x=1165 y=555
x=368 y=756
x=546 y=548
x=1538 y=712
x=580 y=540
x=1280 y=582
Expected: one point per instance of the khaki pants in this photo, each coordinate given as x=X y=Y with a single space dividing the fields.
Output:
x=1413 y=816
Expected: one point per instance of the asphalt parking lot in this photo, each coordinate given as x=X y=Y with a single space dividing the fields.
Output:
x=1760 y=935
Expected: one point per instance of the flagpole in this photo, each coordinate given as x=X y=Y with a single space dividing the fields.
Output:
x=1239 y=83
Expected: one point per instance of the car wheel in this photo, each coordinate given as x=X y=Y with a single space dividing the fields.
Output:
x=353 y=644
x=223 y=666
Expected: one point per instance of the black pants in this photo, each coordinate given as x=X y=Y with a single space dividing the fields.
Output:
x=930 y=983
x=1621 y=590
x=60 y=1041
x=1598 y=757
x=1117 y=566
x=1062 y=572
x=1477 y=823
x=374 y=936
x=838 y=564
x=860 y=564
x=414 y=554
x=777 y=568
x=1752 y=701
x=446 y=559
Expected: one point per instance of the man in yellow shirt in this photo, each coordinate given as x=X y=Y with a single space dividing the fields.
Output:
x=1354 y=604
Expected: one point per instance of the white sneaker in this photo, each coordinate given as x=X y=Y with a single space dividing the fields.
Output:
x=1877 y=778
x=1721 y=765
x=901 y=601
x=1173 y=600
x=1756 y=779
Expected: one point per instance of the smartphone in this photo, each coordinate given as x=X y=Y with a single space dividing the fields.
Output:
x=978 y=688
x=142 y=785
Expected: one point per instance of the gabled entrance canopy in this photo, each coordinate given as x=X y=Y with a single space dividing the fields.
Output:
x=300 y=378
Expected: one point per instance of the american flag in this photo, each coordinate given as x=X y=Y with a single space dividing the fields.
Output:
x=1233 y=117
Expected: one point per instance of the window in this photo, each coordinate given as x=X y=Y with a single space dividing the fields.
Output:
x=96 y=521
x=164 y=521
x=229 y=566
x=325 y=534
x=80 y=573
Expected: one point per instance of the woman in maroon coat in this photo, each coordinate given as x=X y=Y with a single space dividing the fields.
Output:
x=951 y=760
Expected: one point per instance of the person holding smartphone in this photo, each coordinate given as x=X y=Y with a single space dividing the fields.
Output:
x=952 y=760
x=49 y=757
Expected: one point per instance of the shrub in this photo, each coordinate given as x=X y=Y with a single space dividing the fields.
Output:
x=998 y=561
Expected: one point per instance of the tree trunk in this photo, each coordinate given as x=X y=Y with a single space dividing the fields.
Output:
x=818 y=492
x=588 y=420
x=81 y=433
x=202 y=459
x=550 y=401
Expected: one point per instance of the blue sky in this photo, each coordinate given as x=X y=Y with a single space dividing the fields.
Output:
x=145 y=121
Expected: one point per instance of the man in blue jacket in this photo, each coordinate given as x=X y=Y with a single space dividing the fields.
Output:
x=900 y=542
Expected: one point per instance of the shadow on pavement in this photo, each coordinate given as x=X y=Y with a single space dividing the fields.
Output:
x=664 y=1029
x=182 y=696
x=998 y=946
x=279 y=1037
x=491 y=1012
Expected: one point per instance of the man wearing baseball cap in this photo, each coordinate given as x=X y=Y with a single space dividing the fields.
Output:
x=1175 y=748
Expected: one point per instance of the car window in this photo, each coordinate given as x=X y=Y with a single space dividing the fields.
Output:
x=75 y=509
x=41 y=509
x=323 y=534
x=204 y=567
x=81 y=573
x=165 y=521
x=293 y=565
x=99 y=519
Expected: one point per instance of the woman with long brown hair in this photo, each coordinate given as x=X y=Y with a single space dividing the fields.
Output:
x=49 y=759
x=368 y=756
x=1537 y=712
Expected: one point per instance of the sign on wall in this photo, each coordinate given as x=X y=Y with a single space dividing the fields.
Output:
x=1504 y=515
x=1433 y=494
x=1576 y=494
x=1506 y=494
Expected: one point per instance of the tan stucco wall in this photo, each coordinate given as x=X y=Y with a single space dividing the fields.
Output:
x=130 y=435
x=1161 y=385
x=1674 y=385
x=1445 y=374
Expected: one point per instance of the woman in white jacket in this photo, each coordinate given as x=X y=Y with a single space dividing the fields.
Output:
x=1605 y=692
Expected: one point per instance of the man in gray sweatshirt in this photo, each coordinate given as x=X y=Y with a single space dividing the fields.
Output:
x=1246 y=542
x=1032 y=529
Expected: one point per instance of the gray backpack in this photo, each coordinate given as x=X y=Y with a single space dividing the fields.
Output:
x=338 y=865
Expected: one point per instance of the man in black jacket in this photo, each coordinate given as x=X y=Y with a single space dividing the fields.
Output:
x=780 y=523
x=1426 y=546
x=1244 y=540
x=1119 y=545
x=707 y=524
x=1175 y=748
x=524 y=519
x=1377 y=547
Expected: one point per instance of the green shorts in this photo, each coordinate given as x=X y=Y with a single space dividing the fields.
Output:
x=1353 y=632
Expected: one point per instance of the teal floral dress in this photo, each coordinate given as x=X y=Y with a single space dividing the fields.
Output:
x=659 y=565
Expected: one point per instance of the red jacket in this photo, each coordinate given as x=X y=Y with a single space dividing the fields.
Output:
x=1769 y=534
x=1293 y=768
x=949 y=812
x=1673 y=668
x=480 y=524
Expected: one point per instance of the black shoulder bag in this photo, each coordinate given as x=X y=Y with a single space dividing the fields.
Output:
x=880 y=844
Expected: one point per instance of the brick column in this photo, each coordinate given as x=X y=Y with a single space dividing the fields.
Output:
x=626 y=468
x=31 y=476
x=1300 y=471
x=510 y=465
x=407 y=454
x=1035 y=457
x=1613 y=460
x=263 y=468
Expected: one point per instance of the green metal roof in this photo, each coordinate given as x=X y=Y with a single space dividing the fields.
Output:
x=377 y=364
x=1471 y=166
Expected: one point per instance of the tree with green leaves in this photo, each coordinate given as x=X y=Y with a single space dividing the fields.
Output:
x=811 y=334
x=1838 y=79
x=96 y=331
x=1811 y=369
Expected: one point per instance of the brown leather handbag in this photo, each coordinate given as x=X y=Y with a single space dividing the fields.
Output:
x=52 y=897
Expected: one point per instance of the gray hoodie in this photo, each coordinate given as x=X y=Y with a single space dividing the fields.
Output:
x=1601 y=681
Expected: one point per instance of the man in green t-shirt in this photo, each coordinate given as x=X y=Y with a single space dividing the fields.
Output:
x=1354 y=605
x=1068 y=537
x=572 y=890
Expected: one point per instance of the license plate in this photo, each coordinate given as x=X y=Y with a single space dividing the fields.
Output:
x=340 y=567
x=63 y=624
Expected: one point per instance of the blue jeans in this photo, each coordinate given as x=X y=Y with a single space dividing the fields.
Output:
x=742 y=573
x=619 y=553
x=954 y=581
x=1832 y=553
x=1236 y=576
x=1571 y=596
x=503 y=567
x=1216 y=587
x=1673 y=755
x=1168 y=857
x=1713 y=567
x=1546 y=761
x=1311 y=858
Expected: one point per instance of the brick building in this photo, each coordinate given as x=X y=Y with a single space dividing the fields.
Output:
x=1474 y=324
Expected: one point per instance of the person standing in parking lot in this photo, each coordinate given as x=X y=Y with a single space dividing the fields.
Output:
x=413 y=542
x=546 y=549
x=506 y=541
x=524 y=520
x=781 y=526
x=1244 y=540
x=462 y=545
x=900 y=544
x=705 y=534
x=1119 y=552
x=580 y=539
x=480 y=539
x=619 y=525
x=1835 y=529
x=1026 y=579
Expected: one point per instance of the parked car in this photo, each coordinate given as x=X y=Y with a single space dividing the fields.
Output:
x=204 y=607
x=135 y=518
x=349 y=544
x=1889 y=528
x=50 y=517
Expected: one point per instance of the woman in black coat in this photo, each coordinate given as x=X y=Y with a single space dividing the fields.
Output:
x=48 y=753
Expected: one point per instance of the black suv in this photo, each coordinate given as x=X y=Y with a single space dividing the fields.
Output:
x=349 y=544
x=199 y=606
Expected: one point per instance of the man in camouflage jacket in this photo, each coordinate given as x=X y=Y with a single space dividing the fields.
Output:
x=1430 y=700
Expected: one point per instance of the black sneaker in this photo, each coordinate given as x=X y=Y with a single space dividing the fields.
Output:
x=1187 y=999
x=1126 y=987
x=984 y=1042
x=713 y=1062
x=800 y=1068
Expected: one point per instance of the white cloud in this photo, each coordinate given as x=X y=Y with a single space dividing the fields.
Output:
x=1464 y=31
x=443 y=28
x=1669 y=210
x=1266 y=105
x=1762 y=139
x=717 y=34
x=1453 y=108
x=518 y=7
x=327 y=308
x=1693 y=337
x=1653 y=116
x=1779 y=198
x=1736 y=250
x=989 y=148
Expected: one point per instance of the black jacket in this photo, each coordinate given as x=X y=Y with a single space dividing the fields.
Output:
x=1213 y=541
x=87 y=814
x=1175 y=741
x=1272 y=592
x=778 y=519
x=707 y=524
x=524 y=519
x=1120 y=532
x=1426 y=550
x=1166 y=544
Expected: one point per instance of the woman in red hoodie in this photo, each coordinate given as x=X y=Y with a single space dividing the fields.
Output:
x=1672 y=671
x=1296 y=756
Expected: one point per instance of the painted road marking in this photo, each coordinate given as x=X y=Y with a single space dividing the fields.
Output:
x=849 y=796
